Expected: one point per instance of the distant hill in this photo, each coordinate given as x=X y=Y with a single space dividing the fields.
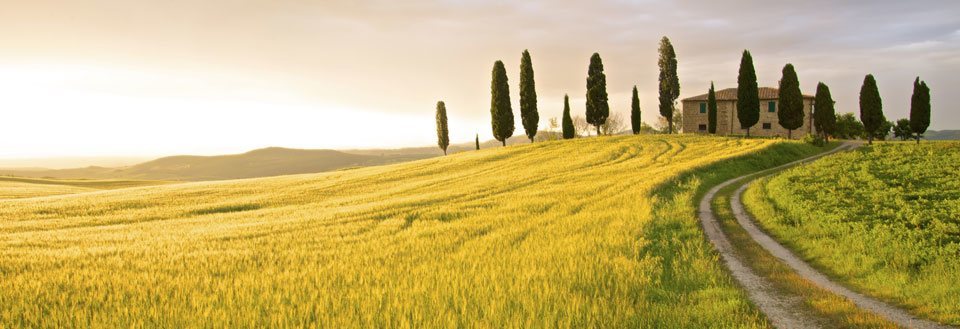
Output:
x=942 y=135
x=46 y=163
x=271 y=161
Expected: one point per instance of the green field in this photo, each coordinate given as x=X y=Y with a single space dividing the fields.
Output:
x=884 y=219
x=22 y=187
x=597 y=232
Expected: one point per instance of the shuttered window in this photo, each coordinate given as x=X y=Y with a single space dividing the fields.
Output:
x=772 y=107
x=703 y=107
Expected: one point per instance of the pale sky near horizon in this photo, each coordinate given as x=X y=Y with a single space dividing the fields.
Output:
x=152 y=78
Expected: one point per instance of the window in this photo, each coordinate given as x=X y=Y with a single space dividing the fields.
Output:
x=772 y=107
x=766 y=125
x=703 y=107
x=702 y=127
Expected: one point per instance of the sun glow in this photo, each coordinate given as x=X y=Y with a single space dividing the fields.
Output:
x=98 y=110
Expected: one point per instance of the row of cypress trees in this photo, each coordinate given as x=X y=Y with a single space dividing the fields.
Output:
x=500 y=108
x=501 y=112
x=597 y=106
x=790 y=114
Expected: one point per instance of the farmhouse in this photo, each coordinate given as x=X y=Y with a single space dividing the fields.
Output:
x=695 y=115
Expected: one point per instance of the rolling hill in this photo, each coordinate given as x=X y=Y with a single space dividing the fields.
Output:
x=594 y=232
x=942 y=135
x=22 y=187
x=273 y=161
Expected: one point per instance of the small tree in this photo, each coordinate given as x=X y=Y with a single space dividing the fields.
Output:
x=669 y=82
x=903 y=130
x=883 y=131
x=597 y=107
x=443 y=136
x=635 y=120
x=711 y=110
x=528 y=97
x=581 y=126
x=824 y=116
x=613 y=125
x=871 y=108
x=919 y=109
x=665 y=126
x=748 y=94
x=553 y=125
x=848 y=127
x=478 y=142
x=569 y=131
x=501 y=112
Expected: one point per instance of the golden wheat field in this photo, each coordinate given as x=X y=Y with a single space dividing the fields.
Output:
x=23 y=187
x=587 y=232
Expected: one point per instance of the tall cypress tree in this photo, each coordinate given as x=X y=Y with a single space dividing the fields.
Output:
x=569 y=131
x=712 y=110
x=528 y=97
x=635 y=120
x=748 y=94
x=669 y=82
x=919 y=108
x=871 y=108
x=500 y=111
x=443 y=136
x=478 y=141
x=824 y=115
x=790 y=114
x=597 y=108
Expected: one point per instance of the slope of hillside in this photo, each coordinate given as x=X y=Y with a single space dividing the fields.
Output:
x=273 y=161
x=942 y=135
x=22 y=187
x=597 y=232
x=884 y=219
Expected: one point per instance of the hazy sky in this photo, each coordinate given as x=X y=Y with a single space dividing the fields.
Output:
x=127 y=77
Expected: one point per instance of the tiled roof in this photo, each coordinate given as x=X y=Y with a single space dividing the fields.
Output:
x=730 y=94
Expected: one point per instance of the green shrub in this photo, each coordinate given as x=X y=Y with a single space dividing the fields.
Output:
x=815 y=140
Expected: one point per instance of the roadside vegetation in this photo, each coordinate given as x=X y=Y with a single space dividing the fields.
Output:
x=884 y=219
x=831 y=310
x=524 y=236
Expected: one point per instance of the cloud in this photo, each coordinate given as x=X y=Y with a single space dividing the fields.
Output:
x=400 y=57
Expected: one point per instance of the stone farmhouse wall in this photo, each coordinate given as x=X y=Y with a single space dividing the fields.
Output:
x=727 y=124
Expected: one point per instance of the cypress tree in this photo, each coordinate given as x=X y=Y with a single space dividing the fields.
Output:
x=568 y=130
x=443 y=137
x=528 y=97
x=597 y=108
x=790 y=115
x=824 y=116
x=635 y=120
x=711 y=110
x=669 y=82
x=500 y=111
x=871 y=108
x=478 y=142
x=919 y=108
x=748 y=94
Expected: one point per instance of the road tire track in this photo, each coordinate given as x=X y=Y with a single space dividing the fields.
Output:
x=781 y=309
